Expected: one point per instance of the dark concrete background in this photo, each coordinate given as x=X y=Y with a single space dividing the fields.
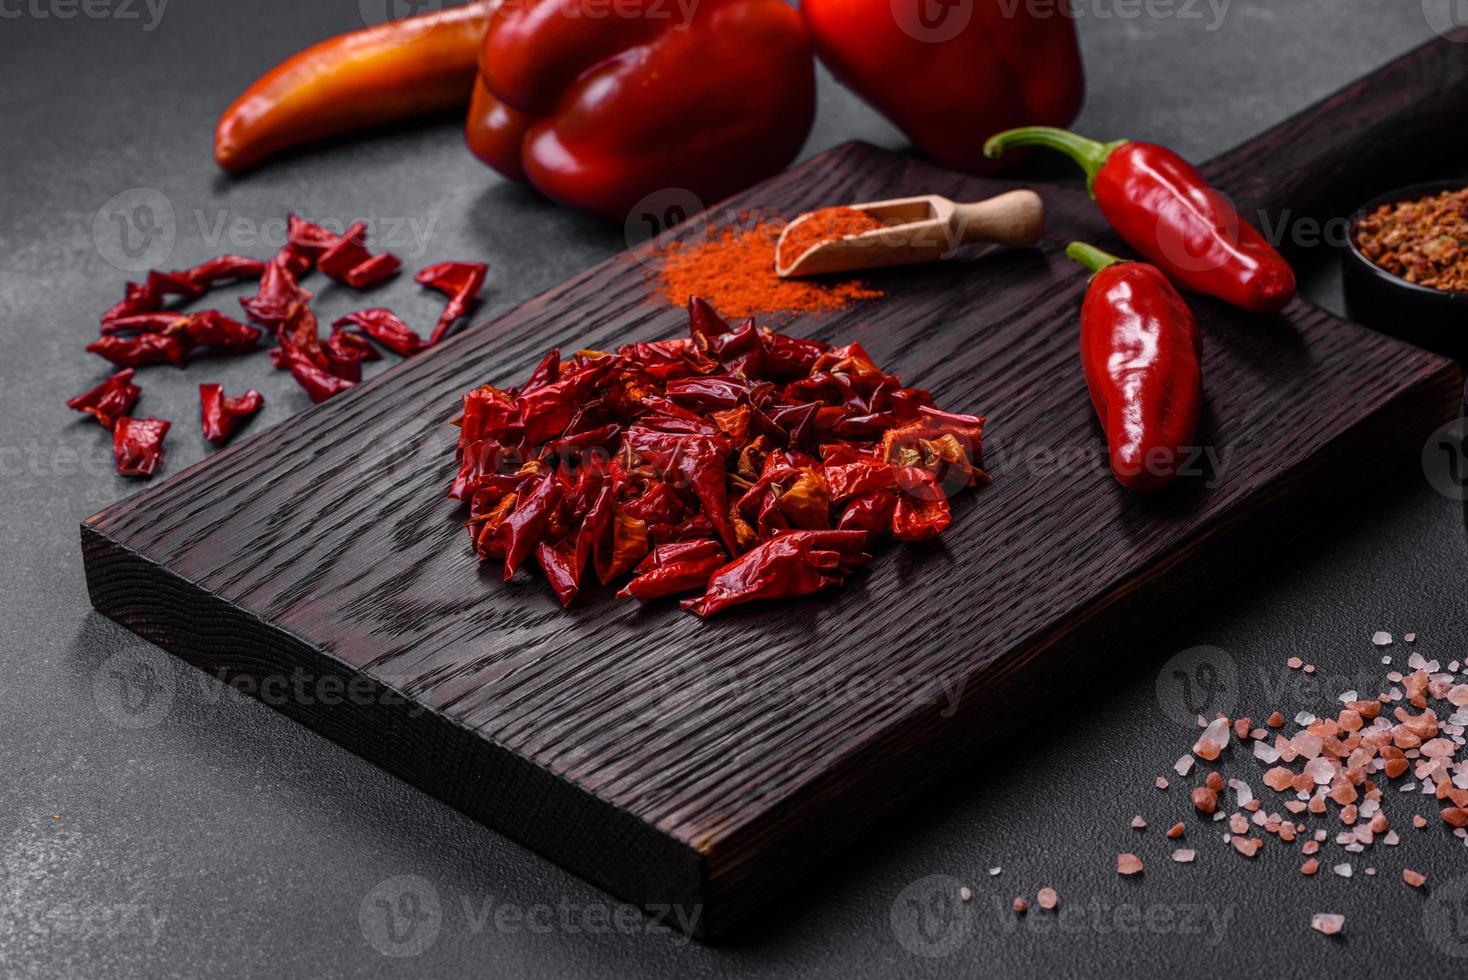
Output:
x=201 y=834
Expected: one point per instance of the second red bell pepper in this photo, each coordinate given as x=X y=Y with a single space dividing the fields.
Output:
x=951 y=74
x=599 y=112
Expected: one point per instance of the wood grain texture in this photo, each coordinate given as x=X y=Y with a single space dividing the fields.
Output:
x=707 y=764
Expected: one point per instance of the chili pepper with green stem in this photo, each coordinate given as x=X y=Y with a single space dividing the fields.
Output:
x=1142 y=357
x=1163 y=207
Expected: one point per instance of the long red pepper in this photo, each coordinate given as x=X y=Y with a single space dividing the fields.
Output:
x=1161 y=205
x=375 y=75
x=1142 y=356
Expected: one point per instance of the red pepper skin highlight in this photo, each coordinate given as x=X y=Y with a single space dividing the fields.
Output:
x=1161 y=205
x=1142 y=356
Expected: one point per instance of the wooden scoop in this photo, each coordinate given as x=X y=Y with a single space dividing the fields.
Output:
x=920 y=229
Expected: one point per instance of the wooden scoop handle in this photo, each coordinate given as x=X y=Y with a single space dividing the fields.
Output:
x=1016 y=218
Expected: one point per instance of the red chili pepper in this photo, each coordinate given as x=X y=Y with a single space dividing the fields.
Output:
x=1161 y=205
x=1142 y=356
x=681 y=566
x=372 y=76
x=460 y=282
x=110 y=400
x=222 y=415
x=794 y=563
x=137 y=445
x=385 y=327
x=145 y=348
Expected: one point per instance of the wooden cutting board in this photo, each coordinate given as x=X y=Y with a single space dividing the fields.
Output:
x=706 y=764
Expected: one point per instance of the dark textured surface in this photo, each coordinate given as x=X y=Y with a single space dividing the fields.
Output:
x=263 y=848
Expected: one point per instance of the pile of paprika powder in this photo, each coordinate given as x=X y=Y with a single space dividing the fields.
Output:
x=734 y=270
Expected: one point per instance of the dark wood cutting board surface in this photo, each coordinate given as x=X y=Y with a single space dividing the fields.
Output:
x=706 y=764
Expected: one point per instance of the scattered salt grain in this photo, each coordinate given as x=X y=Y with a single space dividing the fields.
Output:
x=1183 y=766
x=1382 y=638
x=1183 y=856
x=1047 y=898
x=1128 y=864
x=1327 y=923
x=994 y=872
x=1138 y=823
x=1344 y=870
x=1020 y=906
x=964 y=894
x=1413 y=878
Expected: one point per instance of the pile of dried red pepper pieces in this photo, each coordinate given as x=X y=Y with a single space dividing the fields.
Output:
x=140 y=330
x=738 y=463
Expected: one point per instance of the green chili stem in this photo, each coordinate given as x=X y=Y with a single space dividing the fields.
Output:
x=1090 y=256
x=1090 y=154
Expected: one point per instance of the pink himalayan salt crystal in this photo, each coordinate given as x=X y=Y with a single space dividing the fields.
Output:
x=1160 y=783
x=1247 y=846
x=1212 y=742
x=1328 y=923
x=1047 y=898
x=1128 y=864
x=1237 y=824
x=1183 y=855
x=1294 y=663
x=1438 y=748
x=1413 y=878
x=1183 y=766
x=1138 y=823
x=1278 y=779
x=1320 y=769
x=1020 y=906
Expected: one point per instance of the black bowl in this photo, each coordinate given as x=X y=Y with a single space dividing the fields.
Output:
x=1421 y=315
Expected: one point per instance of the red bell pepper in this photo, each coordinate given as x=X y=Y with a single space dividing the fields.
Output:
x=1161 y=205
x=1142 y=357
x=949 y=74
x=598 y=112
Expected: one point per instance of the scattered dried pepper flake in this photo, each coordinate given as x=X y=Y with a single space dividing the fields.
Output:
x=460 y=282
x=385 y=327
x=145 y=348
x=137 y=445
x=110 y=400
x=222 y=415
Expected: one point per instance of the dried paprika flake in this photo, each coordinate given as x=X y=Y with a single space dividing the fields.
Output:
x=460 y=282
x=736 y=463
x=222 y=415
x=110 y=400
x=137 y=445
